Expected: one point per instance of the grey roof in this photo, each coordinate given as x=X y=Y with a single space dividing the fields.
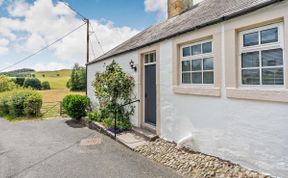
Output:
x=207 y=12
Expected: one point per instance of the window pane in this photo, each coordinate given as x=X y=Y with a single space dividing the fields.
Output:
x=272 y=57
x=250 y=59
x=251 y=39
x=208 y=64
x=152 y=57
x=196 y=49
x=196 y=64
x=186 y=51
x=186 y=78
x=197 y=77
x=208 y=77
x=186 y=66
x=273 y=76
x=269 y=36
x=251 y=77
x=207 y=47
x=146 y=58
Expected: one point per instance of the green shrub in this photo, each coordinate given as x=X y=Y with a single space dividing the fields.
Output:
x=45 y=85
x=19 y=81
x=20 y=102
x=121 y=124
x=4 y=105
x=18 y=99
x=76 y=106
x=94 y=116
x=33 y=104
x=6 y=84
x=32 y=83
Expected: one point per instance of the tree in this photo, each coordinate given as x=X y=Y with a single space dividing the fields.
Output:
x=20 y=81
x=77 y=81
x=45 y=85
x=32 y=83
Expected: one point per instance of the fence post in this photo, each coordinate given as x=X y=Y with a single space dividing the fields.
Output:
x=60 y=108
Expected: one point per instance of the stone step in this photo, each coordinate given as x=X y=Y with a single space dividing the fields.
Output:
x=145 y=133
x=131 y=140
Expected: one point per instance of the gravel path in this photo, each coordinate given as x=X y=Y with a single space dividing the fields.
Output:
x=192 y=164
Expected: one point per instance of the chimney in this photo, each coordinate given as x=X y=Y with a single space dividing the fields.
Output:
x=176 y=7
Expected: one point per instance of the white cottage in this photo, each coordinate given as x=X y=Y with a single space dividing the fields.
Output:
x=214 y=74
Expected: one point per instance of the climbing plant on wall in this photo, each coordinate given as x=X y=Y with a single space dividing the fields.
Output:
x=113 y=88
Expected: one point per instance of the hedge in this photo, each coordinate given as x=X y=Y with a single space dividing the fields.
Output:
x=20 y=103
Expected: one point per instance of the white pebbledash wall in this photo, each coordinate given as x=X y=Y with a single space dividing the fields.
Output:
x=251 y=133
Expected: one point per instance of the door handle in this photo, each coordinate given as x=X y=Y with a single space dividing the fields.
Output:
x=146 y=95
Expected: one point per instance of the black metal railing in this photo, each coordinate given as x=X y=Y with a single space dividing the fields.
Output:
x=115 y=115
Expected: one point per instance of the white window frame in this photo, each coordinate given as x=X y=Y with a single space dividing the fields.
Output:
x=195 y=57
x=259 y=48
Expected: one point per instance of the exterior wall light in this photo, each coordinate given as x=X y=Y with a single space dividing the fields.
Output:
x=133 y=66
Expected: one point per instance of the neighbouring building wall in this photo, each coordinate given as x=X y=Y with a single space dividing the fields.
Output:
x=250 y=131
x=124 y=61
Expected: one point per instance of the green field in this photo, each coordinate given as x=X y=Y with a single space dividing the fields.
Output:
x=57 y=79
x=52 y=98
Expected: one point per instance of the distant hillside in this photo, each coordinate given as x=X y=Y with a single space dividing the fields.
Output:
x=57 y=79
x=56 y=73
x=25 y=72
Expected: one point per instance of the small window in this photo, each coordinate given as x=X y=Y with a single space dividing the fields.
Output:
x=186 y=66
x=269 y=36
x=262 y=65
x=196 y=64
x=273 y=76
x=207 y=47
x=197 y=67
x=250 y=59
x=251 y=39
x=250 y=77
x=150 y=58
x=186 y=51
x=196 y=49
x=273 y=57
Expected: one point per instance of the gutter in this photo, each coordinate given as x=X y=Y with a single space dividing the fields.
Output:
x=219 y=20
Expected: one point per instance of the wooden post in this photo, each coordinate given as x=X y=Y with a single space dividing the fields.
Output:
x=87 y=57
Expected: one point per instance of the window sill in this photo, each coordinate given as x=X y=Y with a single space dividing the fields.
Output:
x=275 y=95
x=197 y=90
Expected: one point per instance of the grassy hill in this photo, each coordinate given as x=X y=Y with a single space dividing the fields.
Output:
x=57 y=79
x=19 y=73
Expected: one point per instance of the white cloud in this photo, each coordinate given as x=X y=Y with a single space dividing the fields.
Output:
x=3 y=46
x=159 y=6
x=44 y=22
x=49 y=66
x=18 y=8
x=3 y=50
x=34 y=42
x=1 y=2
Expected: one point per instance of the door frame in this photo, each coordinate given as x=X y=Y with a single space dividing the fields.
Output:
x=141 y=78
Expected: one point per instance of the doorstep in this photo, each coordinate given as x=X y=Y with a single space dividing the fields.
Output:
x=151 y=136
x=129 y=138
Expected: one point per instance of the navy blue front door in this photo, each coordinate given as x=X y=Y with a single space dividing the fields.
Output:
x=150 y=94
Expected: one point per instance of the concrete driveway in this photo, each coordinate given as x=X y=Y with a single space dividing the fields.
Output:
x=61 y=148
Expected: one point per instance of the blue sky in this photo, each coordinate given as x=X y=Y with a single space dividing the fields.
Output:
x=28 y=25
